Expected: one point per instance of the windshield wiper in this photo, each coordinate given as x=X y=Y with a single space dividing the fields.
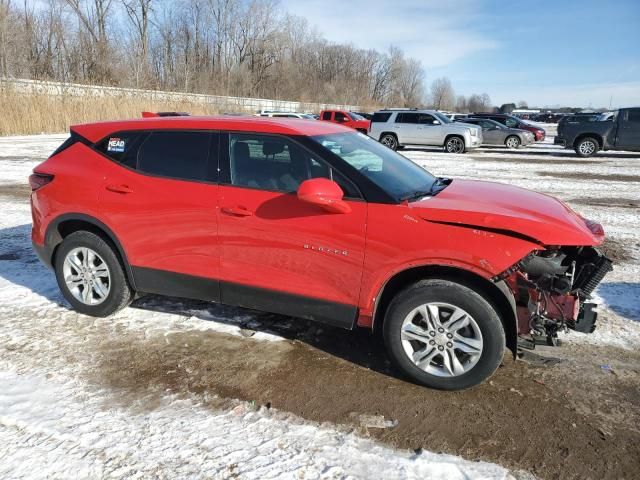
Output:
x=436 y=187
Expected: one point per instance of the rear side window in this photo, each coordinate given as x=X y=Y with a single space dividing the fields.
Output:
x=123 y=147
x=408 y=118
x=633 y=115
x=381 y=117
x=181 y=155
x=326 y=115
x=510 y=122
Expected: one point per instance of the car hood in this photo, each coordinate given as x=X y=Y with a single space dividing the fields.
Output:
x=510 y=210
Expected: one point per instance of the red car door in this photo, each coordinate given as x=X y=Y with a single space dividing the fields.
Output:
x=160 y=198
x=278 y=253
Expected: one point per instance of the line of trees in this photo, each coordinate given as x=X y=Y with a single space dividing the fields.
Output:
x=249 y=48
x=443 y=97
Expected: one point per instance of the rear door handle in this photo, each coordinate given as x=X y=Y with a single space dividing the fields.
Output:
x=237 y=211
x=119 y=188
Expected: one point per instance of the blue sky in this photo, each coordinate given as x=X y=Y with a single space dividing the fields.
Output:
x=562 y=52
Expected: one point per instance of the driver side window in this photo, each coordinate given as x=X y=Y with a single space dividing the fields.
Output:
x=269 y=162
x=511 y=123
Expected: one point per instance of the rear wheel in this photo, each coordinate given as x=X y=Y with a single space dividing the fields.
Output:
x=454 y=145
x=512 y=142
x=389 y=140
x=444 y=335
x=587 y=147
x=91 y=276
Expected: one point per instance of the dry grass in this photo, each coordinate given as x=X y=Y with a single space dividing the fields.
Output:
x=30 y=114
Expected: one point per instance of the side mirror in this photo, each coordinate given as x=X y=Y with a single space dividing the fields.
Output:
x=436 y=122
x=324 y=193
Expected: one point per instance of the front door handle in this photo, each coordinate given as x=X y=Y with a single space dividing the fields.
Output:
x=237 y=211
x=119 y=188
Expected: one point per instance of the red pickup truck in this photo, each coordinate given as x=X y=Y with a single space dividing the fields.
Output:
x=348 y=119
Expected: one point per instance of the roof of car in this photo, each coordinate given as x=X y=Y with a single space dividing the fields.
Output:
x=288 y=126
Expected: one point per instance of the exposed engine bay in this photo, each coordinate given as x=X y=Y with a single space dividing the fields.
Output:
x=552 y=288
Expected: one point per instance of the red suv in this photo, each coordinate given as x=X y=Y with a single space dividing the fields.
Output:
x=348 y=119
x=313 y=220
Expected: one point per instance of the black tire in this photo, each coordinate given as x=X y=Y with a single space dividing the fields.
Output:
x=587 y=147
x=389 y=140
x=512 y=142
x=460 y=296
x=119 y=294
x=455 y=144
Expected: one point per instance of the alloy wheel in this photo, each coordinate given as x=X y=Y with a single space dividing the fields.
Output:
x=441 y=339
x=87 y=276
x=587 y=147
x=389 y=141
x=455 y=145
x=513 y=142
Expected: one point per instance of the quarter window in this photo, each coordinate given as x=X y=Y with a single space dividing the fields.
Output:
x=380 y=117
x=123 y=147
x=182 y=155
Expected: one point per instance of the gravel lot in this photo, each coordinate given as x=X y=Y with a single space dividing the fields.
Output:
x=171 y=388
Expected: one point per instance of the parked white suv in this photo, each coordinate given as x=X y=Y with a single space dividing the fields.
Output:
x=398 y=128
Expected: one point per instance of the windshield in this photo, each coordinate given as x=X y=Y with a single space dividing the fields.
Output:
x=442 y=117
x=395 y=174
x=355 y=116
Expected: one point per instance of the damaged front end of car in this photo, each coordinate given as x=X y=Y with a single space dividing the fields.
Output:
x=552 y=288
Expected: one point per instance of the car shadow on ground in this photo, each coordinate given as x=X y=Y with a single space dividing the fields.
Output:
x=20 y=266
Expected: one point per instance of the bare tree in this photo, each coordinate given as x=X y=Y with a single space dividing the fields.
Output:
x=138 y=12
x=442 y=94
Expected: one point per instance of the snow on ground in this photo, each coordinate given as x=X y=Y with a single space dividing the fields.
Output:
x=54 y=424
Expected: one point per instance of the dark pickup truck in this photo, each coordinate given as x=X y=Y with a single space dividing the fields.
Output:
x=621 y=132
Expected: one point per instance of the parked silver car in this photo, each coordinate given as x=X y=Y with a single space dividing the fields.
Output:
x=495 y=133
x=399 y=128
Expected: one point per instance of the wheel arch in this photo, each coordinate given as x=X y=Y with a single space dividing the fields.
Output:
x=68 y=223
x=387 y=133
x=596 y=136
x=498 y=294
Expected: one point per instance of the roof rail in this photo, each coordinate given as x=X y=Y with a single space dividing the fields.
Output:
x=164 y=114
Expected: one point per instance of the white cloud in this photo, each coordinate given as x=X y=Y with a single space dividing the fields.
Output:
x=435 y=32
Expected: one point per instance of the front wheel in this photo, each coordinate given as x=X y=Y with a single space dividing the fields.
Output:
x=389 y=140
x=91 y=276
x=512 y=142
x=444 y=335
x=454 y=145
x=587 y=147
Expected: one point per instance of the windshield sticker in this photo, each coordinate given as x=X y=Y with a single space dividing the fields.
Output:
x=116 y=145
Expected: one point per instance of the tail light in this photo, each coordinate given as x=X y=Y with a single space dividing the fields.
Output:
x=39 y=180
